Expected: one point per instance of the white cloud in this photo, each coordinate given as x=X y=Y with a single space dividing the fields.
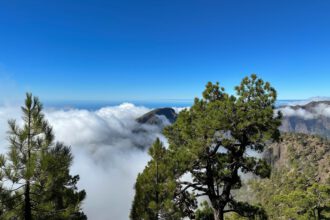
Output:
x=320 y=110
x=179 y=109
x=109 y=184
x=302 y=113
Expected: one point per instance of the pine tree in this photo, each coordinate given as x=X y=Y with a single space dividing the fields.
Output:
x=36 y=169
x=58 y=192
x=154 y=189
x=214 y=141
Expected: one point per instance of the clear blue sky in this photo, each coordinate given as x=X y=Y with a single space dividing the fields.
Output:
x=162 y=49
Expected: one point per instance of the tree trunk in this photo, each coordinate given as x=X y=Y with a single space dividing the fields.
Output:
x=318 y=213
x=27 y=202
x=27 y=199
x=157 y=188
x=218 y=214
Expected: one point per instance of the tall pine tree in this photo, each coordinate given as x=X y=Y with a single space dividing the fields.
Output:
x=154 y=189
x=38 y=171
x=215 y=140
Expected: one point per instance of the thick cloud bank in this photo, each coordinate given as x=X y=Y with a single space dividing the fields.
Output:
x=109 y=128
x=307 y=112
x=301 y=113
x=109 y=149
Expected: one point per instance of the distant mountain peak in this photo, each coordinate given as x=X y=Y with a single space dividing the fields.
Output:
x=157 y=116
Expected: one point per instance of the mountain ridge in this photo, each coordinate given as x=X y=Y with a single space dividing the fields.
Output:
x=157 y=116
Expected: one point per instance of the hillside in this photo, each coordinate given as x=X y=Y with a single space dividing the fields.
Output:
x=303 y=152
x=299 y=183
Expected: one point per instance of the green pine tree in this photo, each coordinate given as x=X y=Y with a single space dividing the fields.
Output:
x=59 y=197
x=213 y=142
x=154 y=189
x=38 y=170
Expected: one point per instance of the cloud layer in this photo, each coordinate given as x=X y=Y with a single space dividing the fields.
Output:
x=314 y=112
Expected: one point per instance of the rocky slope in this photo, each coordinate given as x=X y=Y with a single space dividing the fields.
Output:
x=303 y=152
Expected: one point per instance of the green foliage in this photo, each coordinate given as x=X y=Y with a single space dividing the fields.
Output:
x=294 y=197
x=204 y=212
x=38 y=170
x=154 y=189
x=295 y=204
x=59 y=197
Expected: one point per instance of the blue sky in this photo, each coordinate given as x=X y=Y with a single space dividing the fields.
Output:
x=162 y=49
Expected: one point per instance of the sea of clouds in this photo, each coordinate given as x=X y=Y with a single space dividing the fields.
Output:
x=109 y=147
x=296 y=109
